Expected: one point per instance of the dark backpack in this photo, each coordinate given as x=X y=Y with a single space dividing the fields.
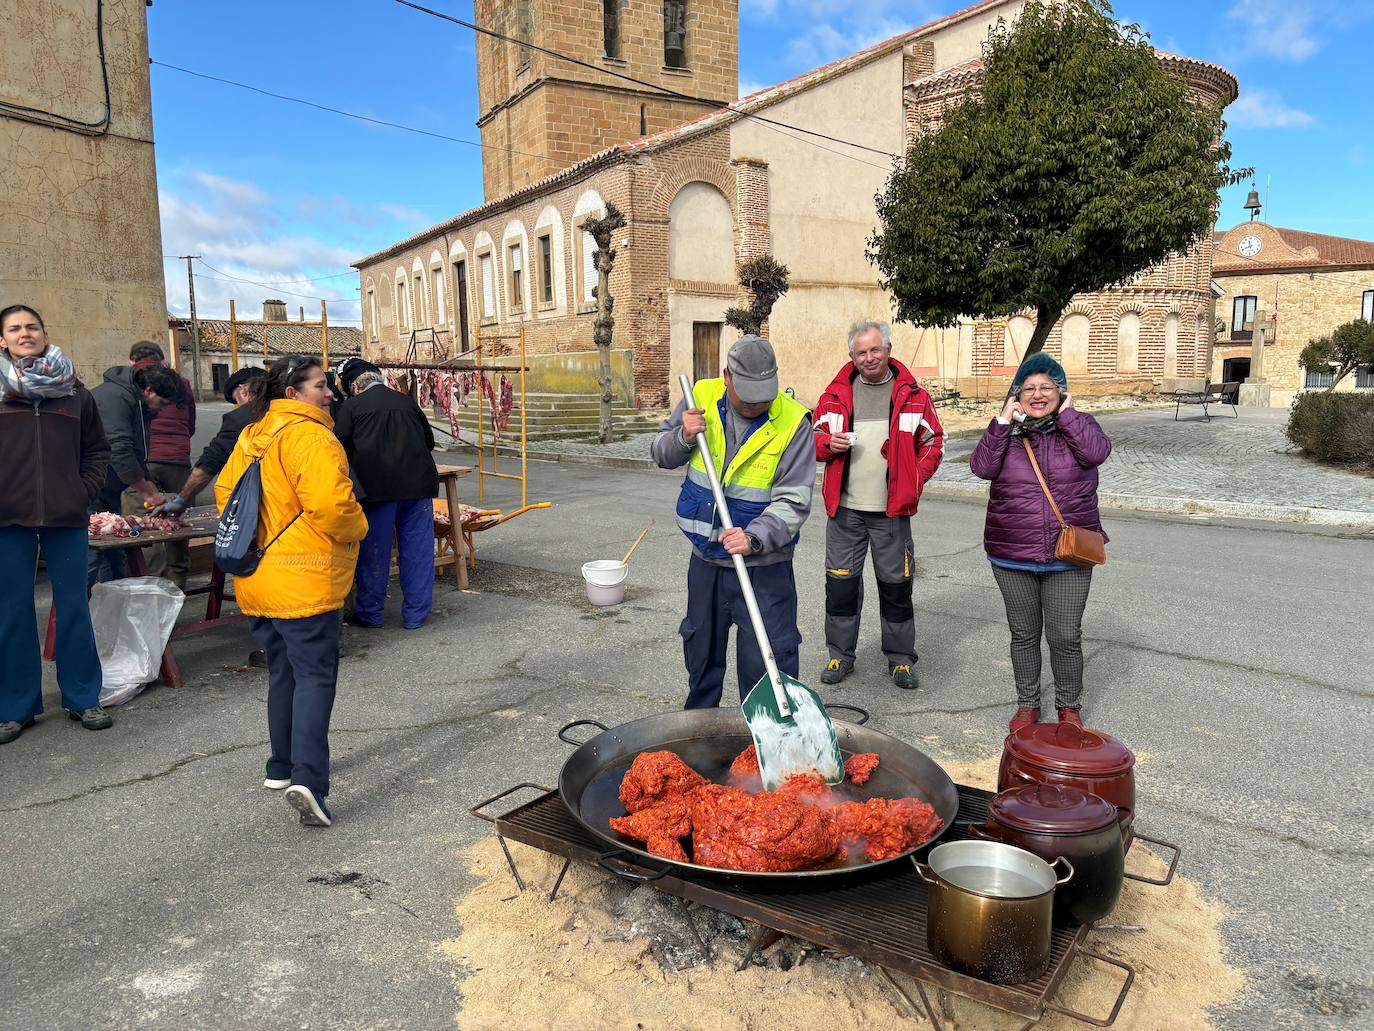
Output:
x=236 y=537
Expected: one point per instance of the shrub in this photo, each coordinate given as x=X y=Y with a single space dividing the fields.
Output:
x=1334 y=428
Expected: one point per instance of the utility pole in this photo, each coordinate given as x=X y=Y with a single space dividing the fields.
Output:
x=195 y=325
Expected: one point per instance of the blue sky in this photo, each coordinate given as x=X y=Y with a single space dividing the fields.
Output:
x=275 y=192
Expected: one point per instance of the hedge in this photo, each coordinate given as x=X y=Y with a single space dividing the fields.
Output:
x=1334 y=427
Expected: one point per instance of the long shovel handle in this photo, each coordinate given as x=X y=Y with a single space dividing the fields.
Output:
x=746 y=587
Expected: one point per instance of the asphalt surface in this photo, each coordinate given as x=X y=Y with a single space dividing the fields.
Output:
x=150 y=881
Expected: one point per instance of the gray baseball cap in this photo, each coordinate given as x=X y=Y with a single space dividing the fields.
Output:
x=753 y=370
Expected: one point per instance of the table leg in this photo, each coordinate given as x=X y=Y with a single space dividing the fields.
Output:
x=215 y=598
x=455 y=522
x=50 y=638
x=137 y=567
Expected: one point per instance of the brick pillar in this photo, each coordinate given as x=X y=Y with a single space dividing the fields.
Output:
x=918 y=60
x=752 y=235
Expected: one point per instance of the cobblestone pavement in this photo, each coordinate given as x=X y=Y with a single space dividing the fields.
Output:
x=1245 y=460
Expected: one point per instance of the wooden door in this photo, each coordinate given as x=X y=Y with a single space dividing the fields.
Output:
x=705 y=350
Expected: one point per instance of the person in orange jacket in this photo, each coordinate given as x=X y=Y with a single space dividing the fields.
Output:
x=314 y=525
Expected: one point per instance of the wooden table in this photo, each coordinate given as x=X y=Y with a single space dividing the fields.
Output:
x=169 y=671
x=458 y=554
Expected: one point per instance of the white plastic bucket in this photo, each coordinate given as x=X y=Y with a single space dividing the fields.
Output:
x=605 y=579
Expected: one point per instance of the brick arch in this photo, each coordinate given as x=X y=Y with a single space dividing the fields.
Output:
x=1131 y=305
x=1080 y=308
x=713 y=173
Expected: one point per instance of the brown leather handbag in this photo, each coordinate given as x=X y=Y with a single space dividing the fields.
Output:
x=1076 y=544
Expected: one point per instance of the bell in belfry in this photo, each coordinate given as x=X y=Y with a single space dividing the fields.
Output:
x=674 y=34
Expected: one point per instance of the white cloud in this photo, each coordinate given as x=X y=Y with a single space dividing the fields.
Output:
x=750 y=86
x=1277 y=28
x=814 y=32
x=236 y=228
x=1265 y=109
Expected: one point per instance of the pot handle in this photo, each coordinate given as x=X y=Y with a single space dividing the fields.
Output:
x=1173 y=863
x=1068 y=876
x=563 y=733
x=979 y=830
x=864 y=714
x=604 y=861
x=477 y=809
x=1110 y=1018
x=924 y=872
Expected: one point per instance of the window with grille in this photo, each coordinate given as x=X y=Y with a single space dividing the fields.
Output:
x=588 y=269
x=546 y=269
x=517 y=278
x=488 y=287
x=440 y=307
x=1243 y=316
x=1364 y=377
x=402 y=306
x=1316 y=379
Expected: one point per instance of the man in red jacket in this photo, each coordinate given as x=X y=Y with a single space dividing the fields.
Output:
x=880 y=440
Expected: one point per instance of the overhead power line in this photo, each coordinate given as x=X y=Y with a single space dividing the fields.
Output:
x=649 y=85
x=286 y=282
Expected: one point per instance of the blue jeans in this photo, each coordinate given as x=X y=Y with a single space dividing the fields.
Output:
x=302 y=672
x=21 y=662
x=714 y=603
x=412 y=523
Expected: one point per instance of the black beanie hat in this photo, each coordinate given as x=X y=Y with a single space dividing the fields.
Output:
x=239 y=378
x=351 y=369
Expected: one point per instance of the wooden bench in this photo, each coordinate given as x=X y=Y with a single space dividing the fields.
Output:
x=1210 y=394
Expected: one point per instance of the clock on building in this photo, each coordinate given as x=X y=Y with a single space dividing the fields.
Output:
x=1250 y=246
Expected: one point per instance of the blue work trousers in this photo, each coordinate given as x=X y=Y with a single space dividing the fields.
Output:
x=21 y=662
x=412 y=523
x=714 y=603
x=302 y=672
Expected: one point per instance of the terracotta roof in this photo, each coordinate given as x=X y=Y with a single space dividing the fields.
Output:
x=293 y=339
x=712 y=119
x=1314 y=250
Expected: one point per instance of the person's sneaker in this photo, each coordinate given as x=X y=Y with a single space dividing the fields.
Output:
x=275 y=784
x=904 y=676
x=11 y=729
x=1023 y=717
x=314 y=813
x=258 y=658
x=1070 y=716
x=355 y=621
x=94 y=718
x=835 y=671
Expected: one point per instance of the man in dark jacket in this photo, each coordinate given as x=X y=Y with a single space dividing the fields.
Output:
x=388 y=441
x=127 y=401
x=169 y=460
x=880 y=440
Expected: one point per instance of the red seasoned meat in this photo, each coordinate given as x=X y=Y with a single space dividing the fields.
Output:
x=671 y=818
x=858 y=768
x=668 y=848
x=807 y=787
x=746 y=764
x=655 y=776
x=884 y=828
x=768 y=832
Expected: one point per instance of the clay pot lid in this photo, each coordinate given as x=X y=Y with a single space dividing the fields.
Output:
x=1068 y=748
x=1051 y=809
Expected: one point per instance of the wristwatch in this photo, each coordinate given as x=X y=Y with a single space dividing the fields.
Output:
x=755 y=545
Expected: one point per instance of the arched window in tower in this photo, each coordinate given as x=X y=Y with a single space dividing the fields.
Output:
x=524 y=31
x=675 y=33
x=610 y=27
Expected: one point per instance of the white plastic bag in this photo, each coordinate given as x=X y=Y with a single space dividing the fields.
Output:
x=133 y=621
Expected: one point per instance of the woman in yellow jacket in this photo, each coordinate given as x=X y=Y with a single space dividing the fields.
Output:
x=311 y=524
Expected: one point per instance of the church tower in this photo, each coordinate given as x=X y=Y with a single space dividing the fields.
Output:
x=540 y=114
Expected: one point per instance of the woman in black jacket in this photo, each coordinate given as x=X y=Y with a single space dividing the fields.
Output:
x=55 y=457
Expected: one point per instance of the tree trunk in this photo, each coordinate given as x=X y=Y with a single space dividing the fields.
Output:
x=605 y=322
x=1045 y=319
x=1345 y=371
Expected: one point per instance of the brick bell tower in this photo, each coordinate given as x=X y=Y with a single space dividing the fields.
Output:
x=540 y=114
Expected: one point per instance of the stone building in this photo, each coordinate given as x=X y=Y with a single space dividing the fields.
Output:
x=1295 y=285
x=79 y=232
x=791 y=170
x=260 y=342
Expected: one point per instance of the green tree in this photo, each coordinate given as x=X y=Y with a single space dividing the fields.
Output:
x=1343 y=350
x=1080 y=163
x=766 y=280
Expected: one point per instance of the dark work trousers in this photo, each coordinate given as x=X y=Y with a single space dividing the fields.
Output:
x=412 y=523
x=21 y=663
x=173 y=559
x=302 y=670
x=714 y=602
x=848 y=539
x=1051 y=603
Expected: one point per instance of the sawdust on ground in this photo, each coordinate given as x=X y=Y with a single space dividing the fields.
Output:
x=581 y=962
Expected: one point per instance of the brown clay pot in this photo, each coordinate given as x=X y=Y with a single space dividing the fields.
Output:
x=1071 y=756
x=1051 y=820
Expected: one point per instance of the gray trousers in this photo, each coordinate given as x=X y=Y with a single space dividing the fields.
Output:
x=848 y=539
x=1052 y=604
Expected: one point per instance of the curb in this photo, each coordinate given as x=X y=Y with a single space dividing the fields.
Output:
x=1125 y=502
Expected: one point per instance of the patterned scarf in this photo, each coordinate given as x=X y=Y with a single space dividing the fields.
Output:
x=36 y=377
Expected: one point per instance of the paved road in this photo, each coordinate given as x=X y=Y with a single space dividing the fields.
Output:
x=150 y=881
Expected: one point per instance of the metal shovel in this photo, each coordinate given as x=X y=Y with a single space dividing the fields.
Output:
x=792 y=731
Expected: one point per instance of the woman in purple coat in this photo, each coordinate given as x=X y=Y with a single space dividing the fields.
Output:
x=1042 y=594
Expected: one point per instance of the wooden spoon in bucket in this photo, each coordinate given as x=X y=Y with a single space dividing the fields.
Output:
x=626 y=560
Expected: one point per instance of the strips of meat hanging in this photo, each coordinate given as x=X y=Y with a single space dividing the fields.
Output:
x=391 y=380
x=859 y=767
x=655 y=776
x=505 y=401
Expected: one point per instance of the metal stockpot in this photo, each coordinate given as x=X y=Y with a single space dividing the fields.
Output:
x=991 y=909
